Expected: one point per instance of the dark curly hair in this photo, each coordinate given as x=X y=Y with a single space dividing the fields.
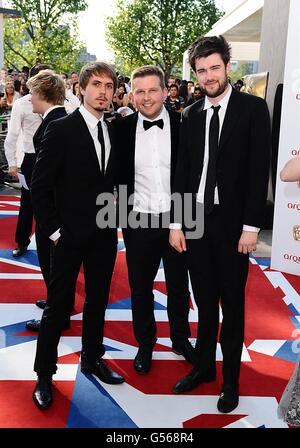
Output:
x=203 y=47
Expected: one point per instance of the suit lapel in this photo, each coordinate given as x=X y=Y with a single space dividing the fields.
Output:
x=198 y=133
x=85 y=136
x=112 y=148
x=130 y=144
x=232 y=115
x=174 y=127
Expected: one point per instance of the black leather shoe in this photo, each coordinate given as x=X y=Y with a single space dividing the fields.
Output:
x=35 y=324
x=186 y=350
x=142 y=361
x=229 y=399
x=42 y=394
x=19 y=251
x=101 y=371
x=193 y=379
x=41 y=303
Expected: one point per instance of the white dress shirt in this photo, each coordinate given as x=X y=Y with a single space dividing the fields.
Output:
x=208 y=107
x=92 y=124
x=22 y=120
x=152 y=191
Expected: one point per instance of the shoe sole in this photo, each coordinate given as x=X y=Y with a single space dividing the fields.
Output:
x=143 y=372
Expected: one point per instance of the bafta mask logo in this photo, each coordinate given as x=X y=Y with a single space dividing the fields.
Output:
x=296 y=233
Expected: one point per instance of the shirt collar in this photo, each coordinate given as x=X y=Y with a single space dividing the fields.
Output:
x=89 y=118
x=223 y=103
x=49 y=110
x=163 y=115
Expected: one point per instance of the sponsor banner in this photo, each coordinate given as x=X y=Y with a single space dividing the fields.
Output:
x=286 y=230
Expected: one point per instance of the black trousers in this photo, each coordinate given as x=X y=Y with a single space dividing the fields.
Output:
x=144 y=250
x=218 y=274
x=45 y=250
x=98 y=257
x=24 y=224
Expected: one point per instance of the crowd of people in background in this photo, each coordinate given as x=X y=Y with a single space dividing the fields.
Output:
x=181 y=93
x=56 y=144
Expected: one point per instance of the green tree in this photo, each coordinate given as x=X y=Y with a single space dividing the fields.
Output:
x=47 y=32
x=244 y=68
x=158 y=31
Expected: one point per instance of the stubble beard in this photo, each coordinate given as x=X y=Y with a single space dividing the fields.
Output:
x=222 y=87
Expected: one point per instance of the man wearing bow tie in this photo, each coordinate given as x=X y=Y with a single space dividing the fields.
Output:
x=146 y=157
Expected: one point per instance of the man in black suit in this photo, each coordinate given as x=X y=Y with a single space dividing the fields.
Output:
x=223 y=164
x=147 y=155
x=47 y=97
x=76 y=162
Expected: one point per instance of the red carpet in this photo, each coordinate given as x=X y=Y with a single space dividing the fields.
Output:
x=271 y=318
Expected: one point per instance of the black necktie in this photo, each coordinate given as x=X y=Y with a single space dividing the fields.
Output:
x=211 y=177
x=101 y=140
x=148 y=124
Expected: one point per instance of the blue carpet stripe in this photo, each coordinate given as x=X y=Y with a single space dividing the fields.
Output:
x=92 y=407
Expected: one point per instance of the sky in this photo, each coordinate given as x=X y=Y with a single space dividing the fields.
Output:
x=92 y=26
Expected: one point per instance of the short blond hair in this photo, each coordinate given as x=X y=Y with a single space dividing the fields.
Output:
x=49 y=86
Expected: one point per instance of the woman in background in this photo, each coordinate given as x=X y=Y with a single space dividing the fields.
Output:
x=289 y=406
x=291 y=171
x=10 y=96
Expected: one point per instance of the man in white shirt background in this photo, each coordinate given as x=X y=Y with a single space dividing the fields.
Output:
x=24 y=121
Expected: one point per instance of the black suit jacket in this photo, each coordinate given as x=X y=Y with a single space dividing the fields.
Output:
x=68 y=164
x=125 y=138
x=242 y=164
x=54 y=114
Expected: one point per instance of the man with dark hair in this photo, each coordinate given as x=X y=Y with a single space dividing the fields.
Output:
x=147 y=154
x=173 y=101
x=191 y=85
x=74 y=77
x=197 y=95
x=223 y=164
x=76 y=148
x=238 y=84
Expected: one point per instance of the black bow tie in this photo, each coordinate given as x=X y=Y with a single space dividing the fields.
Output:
x=148 y=124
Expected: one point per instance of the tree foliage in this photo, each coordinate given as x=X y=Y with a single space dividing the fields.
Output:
x=157 y=31
x=244 y=68
x=47 y=32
